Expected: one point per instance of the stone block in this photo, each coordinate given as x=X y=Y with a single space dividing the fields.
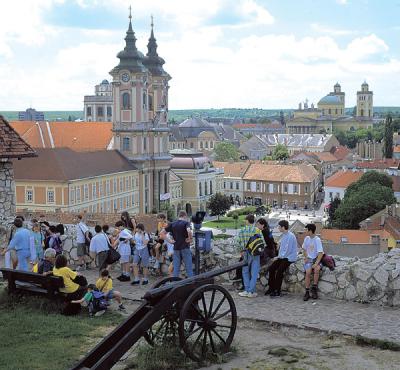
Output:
x=396 y=283
x=395 y=273
x=342 y=281
x=362 y=290
x=328 y=276
x=325 y=287
x=351 y=293
x=381 y=276
x=361 y=273
x=300 y=276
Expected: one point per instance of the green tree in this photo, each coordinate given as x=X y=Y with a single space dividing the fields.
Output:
x=225 y=152
x=332 y=209
x=388 y=138
x=219 y=204
x=369 y=199
x=369 y=177
x=280 y=153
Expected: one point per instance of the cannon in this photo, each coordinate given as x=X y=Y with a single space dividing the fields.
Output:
x=194 y=313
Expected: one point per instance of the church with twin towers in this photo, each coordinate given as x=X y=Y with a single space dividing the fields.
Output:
x=136 y=102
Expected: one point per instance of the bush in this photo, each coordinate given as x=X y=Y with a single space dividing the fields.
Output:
x=242 y=211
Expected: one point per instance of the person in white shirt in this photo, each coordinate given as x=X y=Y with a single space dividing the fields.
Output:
x=99 y=247
x=313 y=253
x=141 y=255
x=82 y=235
x=124 y=249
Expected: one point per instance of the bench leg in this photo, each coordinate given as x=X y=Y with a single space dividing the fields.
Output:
x=12 y=287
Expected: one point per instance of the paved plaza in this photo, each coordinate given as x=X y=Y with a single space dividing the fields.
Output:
x=325 y=315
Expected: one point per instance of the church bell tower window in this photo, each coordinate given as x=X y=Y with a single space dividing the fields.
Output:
x=126 y=101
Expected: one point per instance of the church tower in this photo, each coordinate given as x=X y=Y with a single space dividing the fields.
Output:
x=140 y=102
x=365 y=106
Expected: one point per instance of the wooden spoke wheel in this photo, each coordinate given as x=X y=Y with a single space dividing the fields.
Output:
x=207 y=322
x=164 y=330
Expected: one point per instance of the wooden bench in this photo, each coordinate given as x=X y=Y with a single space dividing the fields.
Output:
x=22 y=280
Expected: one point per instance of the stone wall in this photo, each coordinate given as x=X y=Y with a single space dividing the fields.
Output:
x=91 y=219
x=369 y=280
x=7 y=195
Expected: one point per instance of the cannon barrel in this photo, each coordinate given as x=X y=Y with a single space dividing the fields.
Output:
x=157 y=293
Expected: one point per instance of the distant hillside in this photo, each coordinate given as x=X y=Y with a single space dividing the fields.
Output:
x=180 y=115
x=49 y=115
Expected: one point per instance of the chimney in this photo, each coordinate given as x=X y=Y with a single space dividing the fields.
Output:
x=383 y=218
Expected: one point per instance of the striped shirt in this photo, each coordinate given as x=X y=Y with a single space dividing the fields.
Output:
x=245 y=234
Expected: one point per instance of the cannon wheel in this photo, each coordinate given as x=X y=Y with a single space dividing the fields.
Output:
x=207 y=322
x=166 y=328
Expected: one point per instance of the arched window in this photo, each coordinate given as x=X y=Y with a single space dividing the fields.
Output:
x=211 y=189
x=126 y=104
x=205 y=188
x=362 y=112
x=200 y=190
x=166 y=182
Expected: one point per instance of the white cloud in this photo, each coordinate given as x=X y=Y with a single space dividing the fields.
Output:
x=211 y=66
x=331 y=31
x=342 y=2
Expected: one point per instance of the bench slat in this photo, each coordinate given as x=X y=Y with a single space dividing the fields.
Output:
x=37 y=283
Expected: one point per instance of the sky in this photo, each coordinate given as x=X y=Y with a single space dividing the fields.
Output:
x=220 y=53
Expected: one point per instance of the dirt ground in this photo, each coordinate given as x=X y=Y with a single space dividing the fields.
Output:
x=259 y=346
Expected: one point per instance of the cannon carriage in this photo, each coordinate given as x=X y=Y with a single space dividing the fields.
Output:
x=193 y=313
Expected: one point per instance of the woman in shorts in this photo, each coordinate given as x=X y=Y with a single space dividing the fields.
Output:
x=141 y=255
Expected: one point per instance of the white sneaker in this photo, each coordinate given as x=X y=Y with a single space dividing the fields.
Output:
x=244 y=294
x=100 y=313
x=252 y=295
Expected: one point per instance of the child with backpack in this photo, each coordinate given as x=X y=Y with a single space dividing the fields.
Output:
x=53 y=240
x=94 y=300
x=105 y=285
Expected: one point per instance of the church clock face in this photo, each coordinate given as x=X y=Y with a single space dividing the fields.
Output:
x=125 y=77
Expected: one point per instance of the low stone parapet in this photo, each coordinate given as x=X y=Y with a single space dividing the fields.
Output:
x=368 y=280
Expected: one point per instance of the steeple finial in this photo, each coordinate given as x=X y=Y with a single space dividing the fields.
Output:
x=130 y=13
x=152 y=22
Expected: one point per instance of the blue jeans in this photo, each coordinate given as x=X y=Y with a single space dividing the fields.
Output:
x=250 y=272
x=23 y=255
x=186 y=256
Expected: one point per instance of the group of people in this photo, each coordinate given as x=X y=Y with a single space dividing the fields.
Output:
x=279 y=258
x=26 y=245
x=40 y=249
x=135 y=246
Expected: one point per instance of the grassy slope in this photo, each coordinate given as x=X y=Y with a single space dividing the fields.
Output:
x=225 y=223
x=35 y=337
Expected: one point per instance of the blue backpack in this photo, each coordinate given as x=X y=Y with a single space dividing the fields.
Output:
x=99 y=302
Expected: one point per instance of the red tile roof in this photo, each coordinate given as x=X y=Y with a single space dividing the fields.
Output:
x=232 y=169
x=340 y=152
x=11 y=144
x=301 y=173
x=244 y=125
x=352 y=236
x=343 y=179
x=80 y=136
x=64 y=164
x=379 y=163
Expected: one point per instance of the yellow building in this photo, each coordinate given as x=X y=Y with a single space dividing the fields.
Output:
x=176 y=190
x=200 y=179
x=65 y=180
x=330 y=114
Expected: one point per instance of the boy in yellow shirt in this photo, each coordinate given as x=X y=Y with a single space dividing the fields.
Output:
x=104 y=284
